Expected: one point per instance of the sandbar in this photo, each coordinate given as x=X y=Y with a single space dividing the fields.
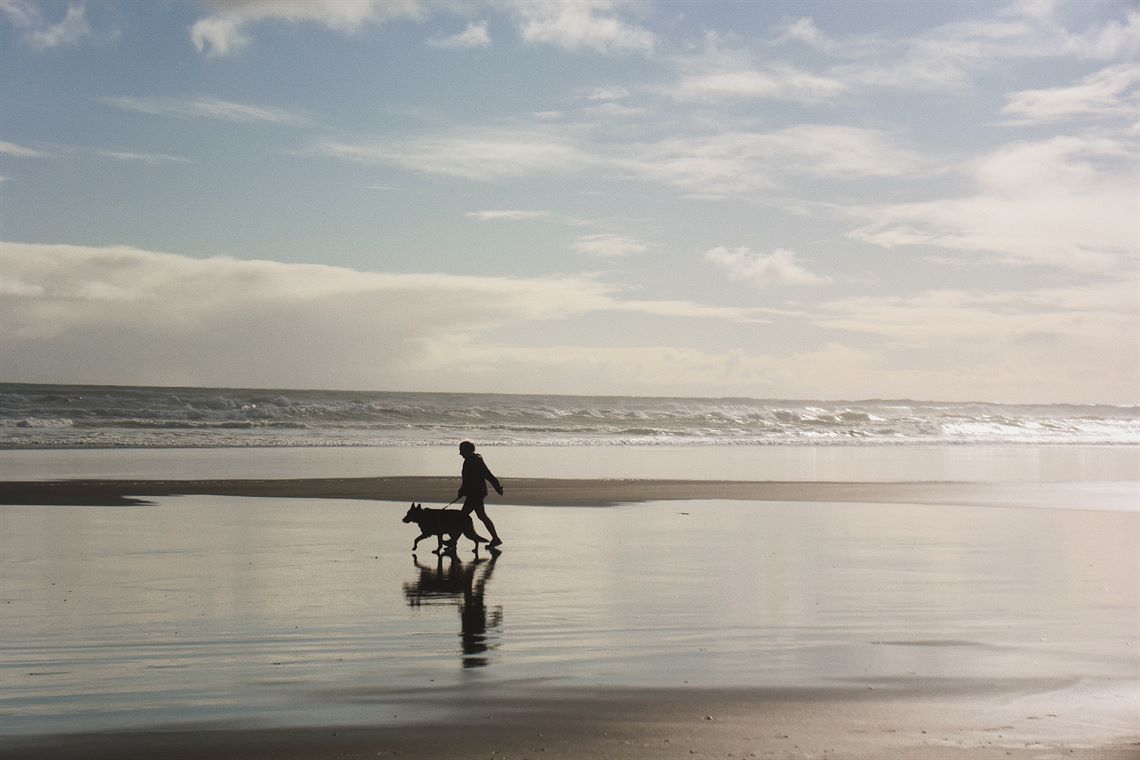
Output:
x=575 y=492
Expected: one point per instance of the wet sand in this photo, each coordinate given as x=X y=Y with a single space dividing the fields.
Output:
x=900 y=722
x=287 y=619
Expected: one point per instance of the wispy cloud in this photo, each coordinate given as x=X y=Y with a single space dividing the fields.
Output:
x=950 y=56
x=1112 y=91
x=19 y=151
x=225 y=31
x=609 y=246
x=41 y=33
x=474 y=36
x=481 y=156
x=511 y=215
x=762 y=270
x=152 y=159
x=743 y=162
x=777 y=81
x=206 y=107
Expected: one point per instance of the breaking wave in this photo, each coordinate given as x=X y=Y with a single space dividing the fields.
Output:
x=41 y=416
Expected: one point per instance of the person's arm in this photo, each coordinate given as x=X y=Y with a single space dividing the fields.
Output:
x=490 y=476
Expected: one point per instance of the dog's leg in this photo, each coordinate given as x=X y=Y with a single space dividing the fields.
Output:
x=421 y=537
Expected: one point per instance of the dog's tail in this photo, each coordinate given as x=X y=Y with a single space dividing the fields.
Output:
x=469 y=532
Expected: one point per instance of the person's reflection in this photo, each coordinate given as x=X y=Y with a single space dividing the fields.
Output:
x=454 y=582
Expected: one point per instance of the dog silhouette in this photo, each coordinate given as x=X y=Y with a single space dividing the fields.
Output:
x=441 y=522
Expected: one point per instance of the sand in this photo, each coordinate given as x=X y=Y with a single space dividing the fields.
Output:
x=920 y=721
x=287 y=619
x=436 y=491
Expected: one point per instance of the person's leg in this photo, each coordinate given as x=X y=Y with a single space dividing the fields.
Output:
x=481 y=510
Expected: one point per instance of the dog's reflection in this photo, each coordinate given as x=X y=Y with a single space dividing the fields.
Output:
x=453 y=582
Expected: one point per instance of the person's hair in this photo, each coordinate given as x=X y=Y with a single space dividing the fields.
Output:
x=466 y=446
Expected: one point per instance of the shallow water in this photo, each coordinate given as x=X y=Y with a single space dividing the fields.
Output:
x=316 y=612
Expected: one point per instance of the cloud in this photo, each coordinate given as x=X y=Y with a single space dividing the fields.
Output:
x=41 y=33
x=732 y=163
x=152 y=159
x=474 y=36
x=1109 y=92
x=513 y=215
x=609 y=246
x=580 y=24
x=804 y=30
x=206 y=107
x=608 y=93
x=224 y=32
x=1065 y=202
x=762 y=270
x=778 y=82
x=119 y=313
x=949 y=56
x=1074 y=343
x=19 y=151
x=481 y=156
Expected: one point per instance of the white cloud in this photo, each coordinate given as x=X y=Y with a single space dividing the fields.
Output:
x=778 y=81
x=97 y=314
x=1041 y=344
x=725 y=164
x=474 y=36
x=19 y=151
x=513 y=215
x=1108 y=41
x=948 y=57
x=41 y=33
x=482 y=156
x=206 y=107
x=580 y=24
x=762 y=270
x=223 y=33
x=804 y=30
x=608 y=245
x=1066 y=202
x=609 y=93
x=152 y=159
x=1109 y=92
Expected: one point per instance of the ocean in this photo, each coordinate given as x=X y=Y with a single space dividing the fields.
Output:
x=79 y=416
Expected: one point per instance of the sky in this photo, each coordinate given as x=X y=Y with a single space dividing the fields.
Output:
x=777 y=200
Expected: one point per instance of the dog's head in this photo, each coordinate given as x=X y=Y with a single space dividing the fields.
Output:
x=414 y=513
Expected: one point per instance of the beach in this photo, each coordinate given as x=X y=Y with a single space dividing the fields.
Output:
x=626 y=618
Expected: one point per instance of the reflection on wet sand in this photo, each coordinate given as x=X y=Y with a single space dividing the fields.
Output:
x=453 y=582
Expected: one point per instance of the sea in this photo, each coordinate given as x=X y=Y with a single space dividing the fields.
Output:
x=83 y=416
x=52 y=432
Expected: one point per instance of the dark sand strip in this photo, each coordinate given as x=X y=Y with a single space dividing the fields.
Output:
x=919 y=721
x=535 y=491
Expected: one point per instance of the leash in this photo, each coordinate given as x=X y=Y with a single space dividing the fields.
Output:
x=448 y=504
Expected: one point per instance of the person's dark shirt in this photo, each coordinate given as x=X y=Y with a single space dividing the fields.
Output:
x=475 y=477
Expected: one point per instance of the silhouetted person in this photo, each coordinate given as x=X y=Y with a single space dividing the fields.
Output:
x=474 y=488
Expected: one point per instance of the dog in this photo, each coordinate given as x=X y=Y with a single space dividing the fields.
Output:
x=437 y=522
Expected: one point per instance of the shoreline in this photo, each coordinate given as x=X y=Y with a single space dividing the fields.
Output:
x=552 y=492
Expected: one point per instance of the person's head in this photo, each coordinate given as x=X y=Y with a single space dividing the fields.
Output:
x=466 y=449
